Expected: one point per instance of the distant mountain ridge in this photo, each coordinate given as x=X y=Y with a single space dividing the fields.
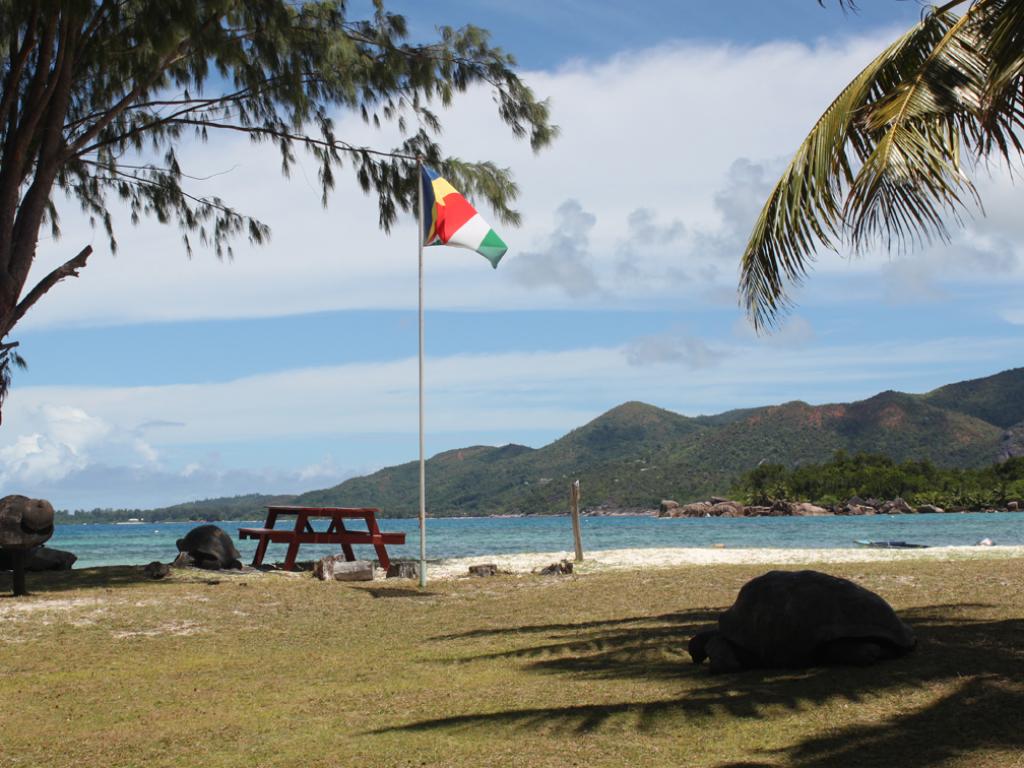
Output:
x=636 y=454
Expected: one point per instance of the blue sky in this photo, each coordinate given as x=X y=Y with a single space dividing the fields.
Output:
x=155 y=379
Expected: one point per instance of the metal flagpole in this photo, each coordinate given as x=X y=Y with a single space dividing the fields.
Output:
x=423 y=467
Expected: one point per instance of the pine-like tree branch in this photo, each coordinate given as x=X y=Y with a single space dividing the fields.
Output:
x=67 y=269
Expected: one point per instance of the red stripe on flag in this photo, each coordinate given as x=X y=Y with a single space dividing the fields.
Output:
x=452 y=214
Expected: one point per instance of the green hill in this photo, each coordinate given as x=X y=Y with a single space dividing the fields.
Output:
x=636 y=454
x=514 y=478
x=997 y=399
x=251 y=506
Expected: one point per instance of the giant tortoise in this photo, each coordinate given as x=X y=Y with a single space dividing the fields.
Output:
x=210 y=547
x=24 y=522
x=791 y=619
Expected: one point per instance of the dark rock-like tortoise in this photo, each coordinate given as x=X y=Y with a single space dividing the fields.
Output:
x=792 y=619
x=210 y=547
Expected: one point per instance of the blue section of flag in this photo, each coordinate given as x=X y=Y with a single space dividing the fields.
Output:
x=427 y=176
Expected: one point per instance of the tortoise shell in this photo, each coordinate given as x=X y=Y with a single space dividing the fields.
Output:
x=210 y=546
x=787 y=618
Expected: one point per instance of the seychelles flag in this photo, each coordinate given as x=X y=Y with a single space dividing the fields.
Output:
x=449 y=219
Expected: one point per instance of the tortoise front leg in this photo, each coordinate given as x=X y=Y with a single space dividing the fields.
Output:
x=722 y=654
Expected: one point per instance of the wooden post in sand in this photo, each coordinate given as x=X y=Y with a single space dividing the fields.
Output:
x=574 y=506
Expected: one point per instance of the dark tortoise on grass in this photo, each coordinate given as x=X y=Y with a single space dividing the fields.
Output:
x=210 y=547
x=791 y=619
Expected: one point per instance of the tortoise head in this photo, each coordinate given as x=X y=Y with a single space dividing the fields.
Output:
x=698 y=645
x=37 y=517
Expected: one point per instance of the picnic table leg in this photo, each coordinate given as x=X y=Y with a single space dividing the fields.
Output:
x=382 y=551
x=301 y=521
x=382 y=556
x=261 y=550
x=289 y=558
x=346 y=548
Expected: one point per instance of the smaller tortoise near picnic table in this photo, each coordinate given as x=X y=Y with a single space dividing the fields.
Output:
x=792 y=619
x=210 y=547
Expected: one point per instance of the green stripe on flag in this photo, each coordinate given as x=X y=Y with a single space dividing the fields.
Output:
x=492 y=248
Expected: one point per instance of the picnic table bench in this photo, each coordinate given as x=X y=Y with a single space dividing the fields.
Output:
x=336 y=533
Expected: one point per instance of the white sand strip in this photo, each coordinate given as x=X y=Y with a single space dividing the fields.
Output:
x=624 y=559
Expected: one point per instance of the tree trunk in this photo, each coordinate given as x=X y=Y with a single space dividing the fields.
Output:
x=574 y=508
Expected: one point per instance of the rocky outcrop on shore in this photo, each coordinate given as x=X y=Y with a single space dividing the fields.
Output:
x=716 y=507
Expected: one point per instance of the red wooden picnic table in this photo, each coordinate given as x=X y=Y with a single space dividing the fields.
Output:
x=336 y=532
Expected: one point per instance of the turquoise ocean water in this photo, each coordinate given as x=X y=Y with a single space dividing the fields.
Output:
x=140 y=543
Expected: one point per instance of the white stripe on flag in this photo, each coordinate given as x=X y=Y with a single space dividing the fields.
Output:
x=470 y=234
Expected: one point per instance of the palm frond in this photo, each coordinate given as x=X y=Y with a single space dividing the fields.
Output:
x=913 y=176
x=804 y=210
x=891 y=147
x=1000 y=26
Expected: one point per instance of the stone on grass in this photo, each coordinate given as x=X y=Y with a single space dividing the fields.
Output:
x=337 y=568
x=157 y=570
x=39 y=559
x=403 y=570
x=49 y=559
x=486 y=569
x=556 y=569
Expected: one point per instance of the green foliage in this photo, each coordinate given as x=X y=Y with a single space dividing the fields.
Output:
x=884 y=162
x=996 y=399
x=98 y=96
x=9 y=359
x=871 y=475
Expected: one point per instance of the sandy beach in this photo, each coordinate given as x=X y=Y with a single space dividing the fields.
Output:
x=626 y=559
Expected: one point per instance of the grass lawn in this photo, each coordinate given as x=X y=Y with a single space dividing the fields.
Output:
x=104 y=668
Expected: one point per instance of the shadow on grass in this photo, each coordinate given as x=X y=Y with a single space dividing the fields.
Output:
x=979 y=662
x=385 y=592
x=48 y=582
x=109 y=577
x=980 y=715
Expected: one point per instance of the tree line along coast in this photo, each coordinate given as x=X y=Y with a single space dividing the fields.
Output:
x=857 y=484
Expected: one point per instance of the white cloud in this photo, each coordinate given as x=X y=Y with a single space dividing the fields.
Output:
x=564 y=261
x=502 y=394
x=672 y=348
x=646 y=140
x=63 y=439
x=36 y=457
x=644 y=202
x=794 y=331
x=103 y=485
x=1013 y=316
x=73 y=427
